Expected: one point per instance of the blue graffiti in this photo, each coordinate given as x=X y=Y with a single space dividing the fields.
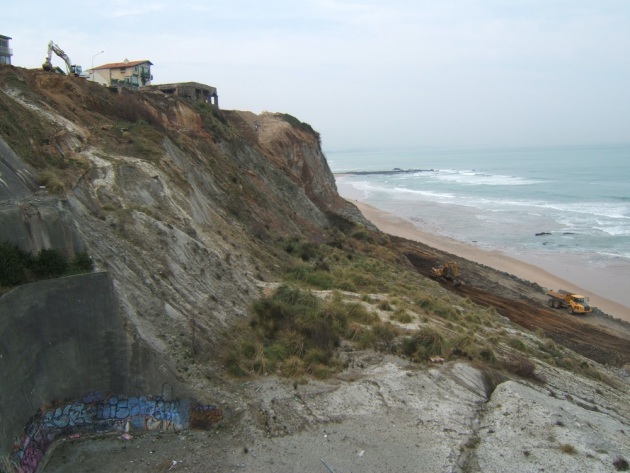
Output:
x=96 y=412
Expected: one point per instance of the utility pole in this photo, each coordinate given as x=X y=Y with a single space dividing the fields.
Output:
x=92 y=70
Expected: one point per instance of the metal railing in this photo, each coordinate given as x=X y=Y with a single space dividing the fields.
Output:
x=6 y=51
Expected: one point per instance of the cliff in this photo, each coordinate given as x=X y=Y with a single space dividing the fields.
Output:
x=190 y=216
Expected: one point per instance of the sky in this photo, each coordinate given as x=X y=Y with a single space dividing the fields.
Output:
x=369 y=74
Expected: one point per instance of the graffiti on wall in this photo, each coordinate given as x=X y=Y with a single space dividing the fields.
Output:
x=96 y=412
x=203 y=416
x=33 y=448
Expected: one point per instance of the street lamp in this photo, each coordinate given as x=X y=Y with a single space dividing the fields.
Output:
x=93 y=64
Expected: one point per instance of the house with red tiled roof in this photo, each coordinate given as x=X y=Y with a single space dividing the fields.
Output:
x=123 y=74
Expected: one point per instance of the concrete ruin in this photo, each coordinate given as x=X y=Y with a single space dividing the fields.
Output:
x=190 y=90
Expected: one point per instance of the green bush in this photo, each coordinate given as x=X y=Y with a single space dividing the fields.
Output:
x=49 y=264
x=13 y=264
x=19 y=267
x=82 y=262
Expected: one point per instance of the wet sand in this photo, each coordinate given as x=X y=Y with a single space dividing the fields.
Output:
x=551 y=273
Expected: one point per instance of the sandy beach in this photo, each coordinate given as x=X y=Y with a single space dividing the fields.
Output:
x=597 y=281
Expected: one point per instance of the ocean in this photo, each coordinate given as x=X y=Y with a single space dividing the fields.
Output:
x=529 y=203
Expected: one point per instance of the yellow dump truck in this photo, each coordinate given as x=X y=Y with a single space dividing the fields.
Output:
x=574 y=303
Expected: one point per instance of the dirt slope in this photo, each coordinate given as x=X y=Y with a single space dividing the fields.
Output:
x=595 y=336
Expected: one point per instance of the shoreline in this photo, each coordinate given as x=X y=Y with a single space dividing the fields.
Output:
x=398 y=226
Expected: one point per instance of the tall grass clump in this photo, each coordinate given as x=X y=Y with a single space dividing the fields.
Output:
x=442 y=308
x=292 y=333
x=426 y=342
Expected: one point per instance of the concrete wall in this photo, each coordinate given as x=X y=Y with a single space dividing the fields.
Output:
x=96 y=413
x=58 y=339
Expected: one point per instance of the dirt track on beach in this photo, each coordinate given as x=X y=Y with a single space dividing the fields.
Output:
x=596 y=336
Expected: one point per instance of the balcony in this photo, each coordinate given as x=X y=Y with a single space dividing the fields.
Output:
x=6 y=51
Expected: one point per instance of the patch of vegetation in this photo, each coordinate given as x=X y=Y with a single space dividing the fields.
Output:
x=25 y=133
x=440 y=307
x=385 y=305
x=13 y=265
x=214 y=122
x=291 y=120
x=51 y=181
x=517 y=344
x=293 y=333
x=522 y=366
x=568 y=449
x=19 y=267
x=621 y=464
x=290 y=333
x=402 y=316
x=425 y=343
x=130 y=109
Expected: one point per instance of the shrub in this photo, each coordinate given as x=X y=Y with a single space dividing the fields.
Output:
x=487 y=354
x=19 y=267
x=441 y=308
x=522 y=366
x=291 y=325
x=464 y=345
x=82 y=262
x=517 y=343
x=621 y=464
x=384 y=305
x=424 y=343
x=402 y=316
x=51 y=181
x=568 y=449
x=292 y=367
x=309 y=274
x=49 y=264
x=13 y=264
x=358 y=313
x=384 y=334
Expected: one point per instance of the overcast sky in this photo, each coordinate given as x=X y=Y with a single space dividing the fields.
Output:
x=370 y=73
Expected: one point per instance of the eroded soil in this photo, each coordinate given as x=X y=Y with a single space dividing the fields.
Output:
x=596 y=335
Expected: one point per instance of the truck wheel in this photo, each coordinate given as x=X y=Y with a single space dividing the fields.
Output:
x=571 y=310
x=550 y=303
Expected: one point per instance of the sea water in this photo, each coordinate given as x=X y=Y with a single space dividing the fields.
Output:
x=572 y=201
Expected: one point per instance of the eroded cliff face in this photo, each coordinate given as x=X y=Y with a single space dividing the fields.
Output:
x=182 y=205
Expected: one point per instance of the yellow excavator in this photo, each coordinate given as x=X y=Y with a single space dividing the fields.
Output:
x=448 y=271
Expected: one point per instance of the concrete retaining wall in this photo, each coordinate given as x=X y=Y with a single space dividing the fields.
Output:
x=58 y=339
x=97 y=413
